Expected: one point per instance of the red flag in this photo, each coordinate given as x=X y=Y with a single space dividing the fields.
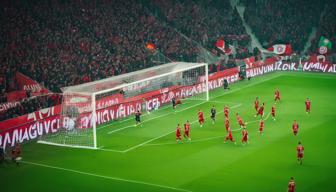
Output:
x=220 y=44
x=281 y=49
x=249 y=61
x=150 y=46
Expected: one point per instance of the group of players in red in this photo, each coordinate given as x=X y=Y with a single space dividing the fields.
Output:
x=259 y=112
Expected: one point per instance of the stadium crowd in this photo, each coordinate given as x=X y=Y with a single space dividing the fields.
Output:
x=61 y=43
x=286 y=21
x=29 y=105
x=326 y=28
x=64 y=43
x=205 y=23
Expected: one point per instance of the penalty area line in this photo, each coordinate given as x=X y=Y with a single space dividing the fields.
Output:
x=217 y=96
x=105 y=177
x=177 y=111
x=148 y=141
x=131 y=118
x=203 y=139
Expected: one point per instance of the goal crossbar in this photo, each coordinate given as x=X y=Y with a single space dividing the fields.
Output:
x=88 y=88
x=80 y=100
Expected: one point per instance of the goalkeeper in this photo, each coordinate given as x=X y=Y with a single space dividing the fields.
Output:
x=176 y=102
x=137 y=118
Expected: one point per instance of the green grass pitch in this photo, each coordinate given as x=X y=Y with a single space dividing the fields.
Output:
x=148 y=159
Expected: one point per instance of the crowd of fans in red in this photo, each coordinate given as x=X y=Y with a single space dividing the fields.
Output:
x=63 y=43
x=285 y=21
x=205 y=22
x=326 y=28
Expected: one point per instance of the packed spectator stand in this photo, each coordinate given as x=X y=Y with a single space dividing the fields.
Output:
x=64 y=43
x=285 y=21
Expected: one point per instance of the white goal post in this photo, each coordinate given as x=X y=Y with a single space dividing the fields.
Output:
x=86 y=106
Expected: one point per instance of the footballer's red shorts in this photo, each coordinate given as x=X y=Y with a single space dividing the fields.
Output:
x=261 y=129
x=186 y=133
x=307 y=108
x=201 y=121
x=300 y=155
x=178 y=137
x=241 y=123
x=256 y=108
x=229 y=138
x=227 y=129
x=273 y=114
x=295 y=132
x=244 y=139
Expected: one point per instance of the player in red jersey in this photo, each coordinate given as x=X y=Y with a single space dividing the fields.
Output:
x=300 y=150
x=186 y=134
x=261 y=110
x=277 y=96
x=295 y=127
x=256 y=104
x=245 y=136
x=291 y=185
x=273 y=112
x=178 y=133
x=261 y=126
x=229 y=137
x=307 y=106
x=240 y=121
x=227 y=124
x=226 y=111
x=200 y=117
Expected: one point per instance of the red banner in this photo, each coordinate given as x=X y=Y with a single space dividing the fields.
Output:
x=27 y=84
x=45 y=121
x=260 y=70
x=16 y=95
x=5 y=106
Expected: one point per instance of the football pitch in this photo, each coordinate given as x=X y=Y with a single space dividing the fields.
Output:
x=147 y=157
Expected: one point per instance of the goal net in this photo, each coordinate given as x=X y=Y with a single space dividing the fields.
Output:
x=87 y=106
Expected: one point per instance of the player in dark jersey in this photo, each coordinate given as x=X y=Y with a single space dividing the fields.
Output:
x=137 y=118
x=174 y=102
x=213 y=114
x=2 y=155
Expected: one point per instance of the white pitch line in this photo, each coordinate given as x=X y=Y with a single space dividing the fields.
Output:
x=259 y=119
x=235 y=90
x=148 y=141
x=223 y=102
x=129 y=117
x=193 y=141
x=204 y=139
x=106 y=177
x=116 y=130
x=110 y=150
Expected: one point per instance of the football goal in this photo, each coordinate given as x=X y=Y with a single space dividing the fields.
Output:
x=84 y=107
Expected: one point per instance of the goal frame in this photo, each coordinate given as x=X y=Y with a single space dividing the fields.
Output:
x=94 y=94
